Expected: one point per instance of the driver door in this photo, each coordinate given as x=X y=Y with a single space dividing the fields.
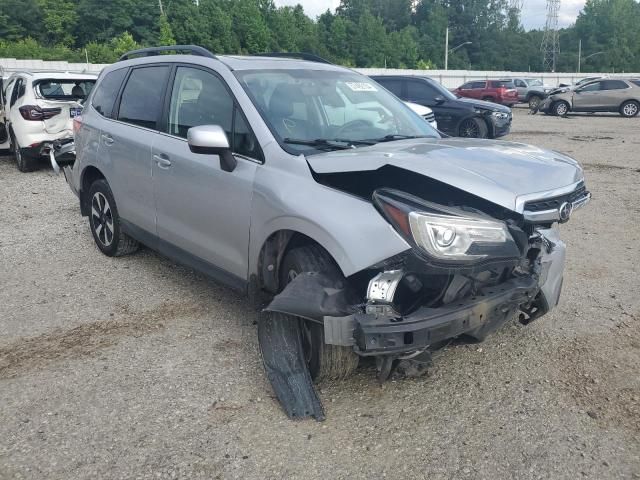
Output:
x=203 y=212
x=587 y=98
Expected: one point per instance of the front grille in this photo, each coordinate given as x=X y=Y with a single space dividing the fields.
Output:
x=430 y=117
x=554 y=203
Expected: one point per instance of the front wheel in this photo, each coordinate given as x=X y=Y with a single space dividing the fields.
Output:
x=325 y=362
x=629 y=109
x=105 y=222
x=473 y=128
x=534 y=102
x=560 y=109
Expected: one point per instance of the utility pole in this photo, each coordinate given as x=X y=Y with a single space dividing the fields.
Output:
x=446 y=50
x=579 y=53
x=161 y=9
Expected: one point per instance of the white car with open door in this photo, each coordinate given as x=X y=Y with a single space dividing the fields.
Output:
x=37 y=114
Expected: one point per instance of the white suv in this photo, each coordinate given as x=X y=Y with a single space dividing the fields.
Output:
x=37 y=109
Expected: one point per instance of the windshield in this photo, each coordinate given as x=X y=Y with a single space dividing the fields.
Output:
x=534 y=82
x=309 y=111
x=67 y=89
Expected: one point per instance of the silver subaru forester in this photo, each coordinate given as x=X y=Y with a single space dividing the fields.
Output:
x=356 y=228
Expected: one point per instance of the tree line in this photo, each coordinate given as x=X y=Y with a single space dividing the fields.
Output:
x=360 y=33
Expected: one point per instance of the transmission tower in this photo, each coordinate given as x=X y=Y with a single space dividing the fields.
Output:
x=551 y=38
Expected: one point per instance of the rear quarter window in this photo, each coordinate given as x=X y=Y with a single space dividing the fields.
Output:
x=502 y=84
x=106 y=92
x=613 y=85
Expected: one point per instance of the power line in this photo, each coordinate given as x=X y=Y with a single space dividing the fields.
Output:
x=551 y=39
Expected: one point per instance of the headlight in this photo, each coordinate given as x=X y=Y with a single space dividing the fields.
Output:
x=456 y=238
x=500 y=115
x=446 y=234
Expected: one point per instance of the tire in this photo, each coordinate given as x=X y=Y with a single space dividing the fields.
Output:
x=326 y=362
x=104 y=222
x=560 y=109
x=25 y=162
x=534 y=101
x=473 y=128
x=629 y=109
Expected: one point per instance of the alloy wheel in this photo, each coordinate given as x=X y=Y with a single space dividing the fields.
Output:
x=102 y=219
x=561 y=109
x=630 y=109
x=470 y=129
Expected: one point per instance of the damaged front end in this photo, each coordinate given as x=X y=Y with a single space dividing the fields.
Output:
x=466 y=274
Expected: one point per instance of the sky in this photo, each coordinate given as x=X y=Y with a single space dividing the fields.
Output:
x=533 y=13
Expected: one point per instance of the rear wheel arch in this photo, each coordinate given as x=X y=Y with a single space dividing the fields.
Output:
x=627 y=102
x=89 y=175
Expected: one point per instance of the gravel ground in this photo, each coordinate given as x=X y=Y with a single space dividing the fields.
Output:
x=139 y=368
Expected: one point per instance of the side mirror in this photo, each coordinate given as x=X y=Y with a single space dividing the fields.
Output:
x=439 y=99
x=212 y=140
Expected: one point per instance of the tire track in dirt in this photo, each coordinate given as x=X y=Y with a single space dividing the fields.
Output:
x=85 y=340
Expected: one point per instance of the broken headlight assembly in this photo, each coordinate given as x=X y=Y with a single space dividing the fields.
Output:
x=446 y=234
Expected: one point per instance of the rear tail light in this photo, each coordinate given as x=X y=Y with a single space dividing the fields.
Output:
x=35 y=113
x=77 y=124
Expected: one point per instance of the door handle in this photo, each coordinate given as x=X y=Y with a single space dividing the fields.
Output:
x=162 y=161
x=107 y=139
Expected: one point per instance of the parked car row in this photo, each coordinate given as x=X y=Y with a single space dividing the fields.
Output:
x=357 y=228
x=37 y=112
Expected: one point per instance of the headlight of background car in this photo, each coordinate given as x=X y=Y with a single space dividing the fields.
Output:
x=500 y=115
x=446 y=234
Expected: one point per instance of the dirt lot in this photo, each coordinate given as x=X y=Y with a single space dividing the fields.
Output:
x=139 y=368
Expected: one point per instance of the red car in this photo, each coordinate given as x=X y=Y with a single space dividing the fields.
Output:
x=497 y=91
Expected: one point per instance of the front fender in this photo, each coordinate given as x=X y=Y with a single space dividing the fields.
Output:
x=348 y=227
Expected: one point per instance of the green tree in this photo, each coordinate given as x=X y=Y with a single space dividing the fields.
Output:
x=166 y=34
x=59 y=19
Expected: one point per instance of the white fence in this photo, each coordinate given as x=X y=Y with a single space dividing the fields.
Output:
x=448 y=78
x=455 y=78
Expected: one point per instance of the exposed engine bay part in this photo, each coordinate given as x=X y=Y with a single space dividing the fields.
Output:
x=280 y=340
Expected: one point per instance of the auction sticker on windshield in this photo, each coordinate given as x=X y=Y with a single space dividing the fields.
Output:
x=361 y=87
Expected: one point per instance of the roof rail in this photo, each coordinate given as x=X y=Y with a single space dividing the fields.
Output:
x=180 y=49
x=299 y=55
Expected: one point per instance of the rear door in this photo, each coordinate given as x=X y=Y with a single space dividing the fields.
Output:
x=613 y=93
x=203 y=211
x=126 y=145
x=522 y=88
x=479 y=90
x=4 y=131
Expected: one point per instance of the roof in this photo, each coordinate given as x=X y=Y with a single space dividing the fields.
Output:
x=58 y=75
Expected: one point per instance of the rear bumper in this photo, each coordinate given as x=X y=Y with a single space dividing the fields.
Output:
x=476 y=316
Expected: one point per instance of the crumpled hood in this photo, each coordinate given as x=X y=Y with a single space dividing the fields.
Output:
x=494 y=170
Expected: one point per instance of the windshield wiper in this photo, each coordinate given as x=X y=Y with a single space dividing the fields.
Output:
x=334 y=144
x=397 y=136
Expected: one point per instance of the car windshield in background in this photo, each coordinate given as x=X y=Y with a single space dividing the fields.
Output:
x=66 y=89
x=313 y=111
x=534 y=83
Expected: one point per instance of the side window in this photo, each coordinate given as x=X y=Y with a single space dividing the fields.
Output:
x=394 y=86
x=244 y=142
x=636 y=82
x=107 y=91
x=141 y=101
x=466 y=86
x=419 y=92
x=592 y=87
x=199 y=98
x=17 y=91
x=613 y=85
x=476 y=85
x=520 y=84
